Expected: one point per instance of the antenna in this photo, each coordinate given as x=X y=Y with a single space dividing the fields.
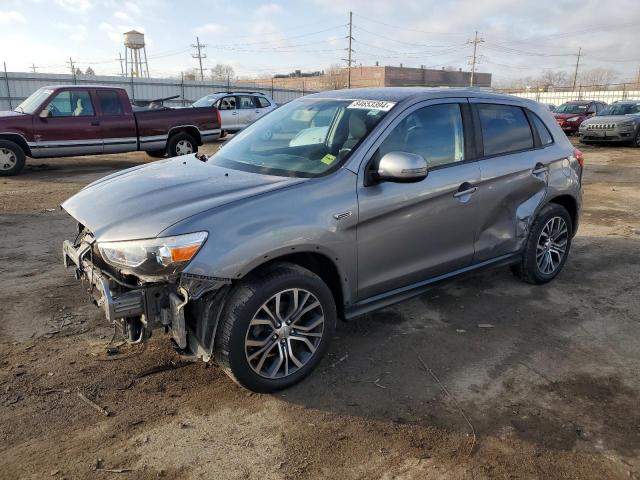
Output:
x=199 y=46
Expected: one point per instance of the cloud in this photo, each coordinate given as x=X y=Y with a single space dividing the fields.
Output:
x=11 y=17
x=209 y=28
x=75 y=5
x=77 y=33
x=120 y=15
x=268 y=9
x=133 y=8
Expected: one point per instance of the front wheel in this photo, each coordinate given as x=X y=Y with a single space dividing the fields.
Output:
x=275 y=328
x=636 y=140
x=181 y=144
x=12 y=158
x=547 y=247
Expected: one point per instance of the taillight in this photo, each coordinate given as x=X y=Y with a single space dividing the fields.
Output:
x=579 y=157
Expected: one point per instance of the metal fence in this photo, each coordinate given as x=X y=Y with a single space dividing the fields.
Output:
x=16 y=86
x=557 y=96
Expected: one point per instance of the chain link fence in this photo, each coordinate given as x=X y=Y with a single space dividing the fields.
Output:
x=558 y=95
x=16 y=86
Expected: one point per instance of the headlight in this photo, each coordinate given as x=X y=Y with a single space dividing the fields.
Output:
x=154 y=257
x=626 y=125
x=573 y=119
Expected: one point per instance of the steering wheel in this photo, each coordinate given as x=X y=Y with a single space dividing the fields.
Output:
x=53 y=110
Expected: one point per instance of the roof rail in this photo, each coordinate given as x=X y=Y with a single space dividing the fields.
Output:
x=241 y=91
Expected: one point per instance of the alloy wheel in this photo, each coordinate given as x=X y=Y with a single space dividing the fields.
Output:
x=184 y=147
x=552 y=245
x=7 y=159
x=284 y=333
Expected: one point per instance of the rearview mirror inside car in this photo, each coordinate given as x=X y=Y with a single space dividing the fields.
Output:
x=402 y=167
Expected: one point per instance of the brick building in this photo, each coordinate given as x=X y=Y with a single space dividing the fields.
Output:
x=375 y=76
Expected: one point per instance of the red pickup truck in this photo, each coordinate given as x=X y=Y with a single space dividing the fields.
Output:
x=73 y=120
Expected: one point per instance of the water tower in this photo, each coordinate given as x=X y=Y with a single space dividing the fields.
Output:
x=135 y=66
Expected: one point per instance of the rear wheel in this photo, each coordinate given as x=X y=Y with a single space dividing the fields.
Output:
x=547 y=247
x=181 y=144
x=275 y=328
x=12 y=158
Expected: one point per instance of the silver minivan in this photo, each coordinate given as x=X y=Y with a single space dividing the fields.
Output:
x=332 y=206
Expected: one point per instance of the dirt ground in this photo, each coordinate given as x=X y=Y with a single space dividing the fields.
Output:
x=550 y=389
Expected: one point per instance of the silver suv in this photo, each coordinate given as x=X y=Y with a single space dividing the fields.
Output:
x=238 y=109
x=334 y=205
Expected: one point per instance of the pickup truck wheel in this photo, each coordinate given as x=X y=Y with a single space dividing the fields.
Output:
x=157 y=153
x=547 y=247
x=181 y=144
x=275 y=328
x=12 y=158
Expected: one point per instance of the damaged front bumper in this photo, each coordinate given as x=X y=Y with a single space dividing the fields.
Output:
x=137 y=308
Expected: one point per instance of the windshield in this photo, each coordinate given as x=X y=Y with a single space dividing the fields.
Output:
x=571 y=108
x=621 y=109
x=305 y=138
x=34 y=100
x=206 y=101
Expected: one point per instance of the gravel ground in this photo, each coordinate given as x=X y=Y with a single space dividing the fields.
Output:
x=550 y=390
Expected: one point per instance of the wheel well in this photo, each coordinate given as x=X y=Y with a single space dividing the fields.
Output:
x=319 y=264
x=18 y=139
x=193 y=131
x=568 y=202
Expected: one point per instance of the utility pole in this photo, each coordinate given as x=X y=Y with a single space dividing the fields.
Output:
x=33 y=68
x=638 y=80
x=120 y=59
x=350 y=50
x=73 y=69
x=474 y=59
x=199 y=46
x=575 y=75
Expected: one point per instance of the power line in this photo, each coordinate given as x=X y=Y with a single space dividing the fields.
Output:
x=199 y=55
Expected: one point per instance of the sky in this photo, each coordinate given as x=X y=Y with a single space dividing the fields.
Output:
x=257 y=38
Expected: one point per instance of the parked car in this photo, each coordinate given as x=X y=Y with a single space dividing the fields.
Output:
x=70 y=120
x=550 y=106
x=570 y=115
x=238 y=109
x=619 y=122
x=250 y=256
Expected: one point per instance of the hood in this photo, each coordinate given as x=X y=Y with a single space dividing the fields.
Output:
x=10 y=113
x=564 y=116
x=143 y=201
x=610 y=119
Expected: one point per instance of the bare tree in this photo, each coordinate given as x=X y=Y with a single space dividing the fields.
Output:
x=597 y=76
x=89 y=72
x=223 y=73
x=335 y=77
x=552 y=79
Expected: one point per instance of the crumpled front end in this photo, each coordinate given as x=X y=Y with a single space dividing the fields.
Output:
x=135 y=306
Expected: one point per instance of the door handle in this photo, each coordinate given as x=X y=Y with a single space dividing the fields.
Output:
x=465 y=189
x=234 y=113
x=539 y=168
x=95 y=123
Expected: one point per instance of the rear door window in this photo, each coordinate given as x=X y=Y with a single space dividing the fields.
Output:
x=246 y=102
x=505 y=129
x=262 y=102
x=110 y=102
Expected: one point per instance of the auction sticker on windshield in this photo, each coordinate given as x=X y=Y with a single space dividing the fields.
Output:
x=372 y=105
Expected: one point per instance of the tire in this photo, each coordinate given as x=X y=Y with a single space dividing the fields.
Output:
x=269 y=365
x=157 y=153
x=179 y=143
x=12 y=158
x=636 y=140
x=535 y=269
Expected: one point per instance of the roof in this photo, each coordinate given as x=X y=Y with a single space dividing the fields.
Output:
x=398 y=94
x=84 y=85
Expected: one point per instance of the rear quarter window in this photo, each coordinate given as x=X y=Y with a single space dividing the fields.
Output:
x=505 y=129
x=543 y=131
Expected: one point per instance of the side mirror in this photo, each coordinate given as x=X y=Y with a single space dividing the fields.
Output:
x=44 y=113
x=402 y=167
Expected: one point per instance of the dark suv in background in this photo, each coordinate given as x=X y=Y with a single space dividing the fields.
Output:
x=570 y=115
x=332 y=206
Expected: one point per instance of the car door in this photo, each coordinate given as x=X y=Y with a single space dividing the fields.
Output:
x=410 y=232
x=514 y=173
x=228 y=112
x=246 y=110
x=262 y=107
x=117 y=125
x=67 y=124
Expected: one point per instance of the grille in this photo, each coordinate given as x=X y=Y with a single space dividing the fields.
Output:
x=601 y=126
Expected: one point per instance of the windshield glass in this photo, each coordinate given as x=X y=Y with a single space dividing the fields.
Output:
x=571 y=108
x=206 y=101
x=34 y=100
x=305 y=138
x=621 y=109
